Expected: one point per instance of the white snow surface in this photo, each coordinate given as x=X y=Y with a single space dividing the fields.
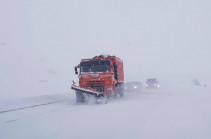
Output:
x=173 y=112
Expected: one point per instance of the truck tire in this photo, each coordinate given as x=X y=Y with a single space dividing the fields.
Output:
x=102 y=100
x=122 y=90
x=79 y=97
x=119 y=89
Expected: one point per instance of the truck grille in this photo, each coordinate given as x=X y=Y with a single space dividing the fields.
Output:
x=95 y=84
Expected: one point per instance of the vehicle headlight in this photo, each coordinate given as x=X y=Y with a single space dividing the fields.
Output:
x=109 y=75
x=109 y=89
x=135 y=87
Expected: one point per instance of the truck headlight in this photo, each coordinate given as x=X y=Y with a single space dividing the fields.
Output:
x=109 y=89
x=109 y=75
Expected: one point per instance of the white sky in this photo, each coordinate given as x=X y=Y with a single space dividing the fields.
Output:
x=41 y=41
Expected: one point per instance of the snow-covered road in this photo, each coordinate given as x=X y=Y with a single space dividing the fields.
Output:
x=182 y=112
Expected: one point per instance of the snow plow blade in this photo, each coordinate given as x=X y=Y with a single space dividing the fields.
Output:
x=87 y=91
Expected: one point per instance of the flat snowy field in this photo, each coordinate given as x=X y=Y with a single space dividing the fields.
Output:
x=173 y=112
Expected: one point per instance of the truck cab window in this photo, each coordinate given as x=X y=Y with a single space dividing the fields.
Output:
x=115 y=72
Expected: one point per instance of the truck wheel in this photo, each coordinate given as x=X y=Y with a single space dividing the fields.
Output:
x=79 y=97
x=122 y=90
x=121 y=94
x=119 y=89
x=102 y=100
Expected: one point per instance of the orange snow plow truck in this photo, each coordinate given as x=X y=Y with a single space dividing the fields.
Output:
x=101 y=78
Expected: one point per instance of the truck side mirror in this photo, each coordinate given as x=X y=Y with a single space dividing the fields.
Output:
x=76 y=70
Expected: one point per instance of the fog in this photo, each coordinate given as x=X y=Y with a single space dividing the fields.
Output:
x=41 y=41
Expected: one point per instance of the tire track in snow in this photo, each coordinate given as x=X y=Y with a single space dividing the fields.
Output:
x=28 y=107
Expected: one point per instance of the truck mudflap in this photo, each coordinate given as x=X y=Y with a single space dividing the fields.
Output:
x=87 y=91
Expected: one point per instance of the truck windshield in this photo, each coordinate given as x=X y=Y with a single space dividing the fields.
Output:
x=95 y=66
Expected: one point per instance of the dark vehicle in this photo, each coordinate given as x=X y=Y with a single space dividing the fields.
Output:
x=133 y=87
x=152 y=83
x=196 y=82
